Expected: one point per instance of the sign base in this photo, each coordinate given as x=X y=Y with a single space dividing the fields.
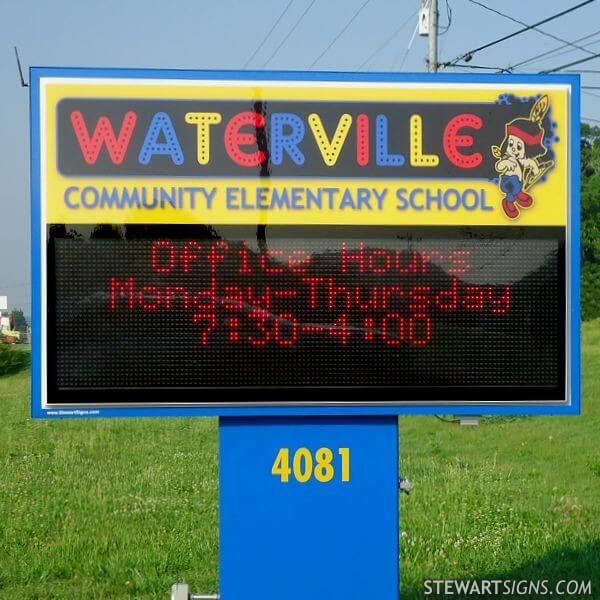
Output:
x=309 y=508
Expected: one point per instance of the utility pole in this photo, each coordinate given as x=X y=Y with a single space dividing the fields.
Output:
x=432 y=65
x=428 y=26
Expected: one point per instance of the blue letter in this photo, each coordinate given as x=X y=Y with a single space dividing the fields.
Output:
x=288 y=142
x=161 y=124
x=68 y=191
x=382 y=157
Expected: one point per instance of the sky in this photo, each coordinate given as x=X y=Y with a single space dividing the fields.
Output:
x=195 y=34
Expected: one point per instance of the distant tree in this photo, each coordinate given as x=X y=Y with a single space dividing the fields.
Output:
x=590 y=194
x=18 y=319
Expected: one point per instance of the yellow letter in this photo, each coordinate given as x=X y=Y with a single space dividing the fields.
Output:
x=203 y=121
x=417 y=158
x=330 y=150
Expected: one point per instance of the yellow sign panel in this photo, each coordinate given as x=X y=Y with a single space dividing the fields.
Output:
x=246 y=152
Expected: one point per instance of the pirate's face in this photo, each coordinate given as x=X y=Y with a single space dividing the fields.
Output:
x=515 y=147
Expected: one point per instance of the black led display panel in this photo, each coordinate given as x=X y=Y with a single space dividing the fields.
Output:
x=305 y=314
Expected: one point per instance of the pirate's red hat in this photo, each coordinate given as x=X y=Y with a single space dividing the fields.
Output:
x=532 y=134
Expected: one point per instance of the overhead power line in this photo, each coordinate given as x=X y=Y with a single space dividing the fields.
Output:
x=483 y=67
x=340 y=33
x=555 y=51
x=410 y=43
x=289 y=33
x=572 y=64
x=510 y=69
x=540 y=31
x=446 y=27
x=262 y=43
x=590 y=119
x=388 y=40
x=467 y=56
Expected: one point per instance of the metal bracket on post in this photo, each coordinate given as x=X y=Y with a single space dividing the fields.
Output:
x=181 y=591
x=469 y=420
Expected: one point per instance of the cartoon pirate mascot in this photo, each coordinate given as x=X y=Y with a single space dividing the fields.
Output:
x=518 y=156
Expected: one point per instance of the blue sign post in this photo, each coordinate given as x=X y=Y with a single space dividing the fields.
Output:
x=309 y=508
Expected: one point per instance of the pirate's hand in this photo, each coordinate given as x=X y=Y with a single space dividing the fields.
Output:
x=532 y=164
x=505 y=164
x=501 y=166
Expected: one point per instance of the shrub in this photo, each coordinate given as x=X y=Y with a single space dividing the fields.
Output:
x=12 y=359
x=590 y=292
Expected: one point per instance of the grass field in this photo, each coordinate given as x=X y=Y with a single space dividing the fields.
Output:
x=123 y=509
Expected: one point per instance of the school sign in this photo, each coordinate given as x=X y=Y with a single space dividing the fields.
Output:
x=304 y=243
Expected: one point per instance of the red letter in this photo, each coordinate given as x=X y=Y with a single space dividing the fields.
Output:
x=234 y=139
x=155 y=256
x=118 y=289
x=298 y=261
x=385 y=323
x=425 y=327
x=452 y=141
x=103 y=134
x=473 y=298
x=420 y=299
x=362 y=140
x=150 y=298
x=188 y=255
x=384 y=265
x=387 y=293
x=214 y=256
x=448 y=299
x=499 y=305
x=459 y=264
x=359 y=257
x=245 y=256
x=335 y=291
x=205 y=300
x=363 y=302
x=264 y=262
x=312 y=282
x=257 y=302
x=233 y=298
x=174 y=292
x=412 y=266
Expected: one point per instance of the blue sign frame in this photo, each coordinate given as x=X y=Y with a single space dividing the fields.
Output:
x=573 y=239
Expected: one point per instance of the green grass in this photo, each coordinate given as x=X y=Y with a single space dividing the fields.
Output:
x=125 y=508
x=104 y=509
x=515 y=498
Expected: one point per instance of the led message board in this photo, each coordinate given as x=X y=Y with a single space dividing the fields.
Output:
x=244 y=243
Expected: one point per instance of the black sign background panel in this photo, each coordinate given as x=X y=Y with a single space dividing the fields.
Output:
x=305 y=310
x=435 y=117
